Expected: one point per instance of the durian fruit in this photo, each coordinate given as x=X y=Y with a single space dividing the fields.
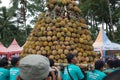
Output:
x=61 y=31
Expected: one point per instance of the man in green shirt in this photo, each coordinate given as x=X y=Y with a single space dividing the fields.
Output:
x=97 y=73
x=110 y=67
x=72 y=71
x=4 y=73
x=15 y=70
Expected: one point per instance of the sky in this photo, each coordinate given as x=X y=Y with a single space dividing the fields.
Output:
x=5 y=3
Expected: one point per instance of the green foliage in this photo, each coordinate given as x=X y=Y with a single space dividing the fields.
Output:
x=95 y=12
x=9 y=30
x=35 y=7
x=5 y=25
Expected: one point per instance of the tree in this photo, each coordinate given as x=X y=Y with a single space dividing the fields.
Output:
x=9 y=30
x=6 y=25
x=97 y=12
x=33 y=8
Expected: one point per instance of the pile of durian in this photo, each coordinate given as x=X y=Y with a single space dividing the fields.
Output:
x=59 y=31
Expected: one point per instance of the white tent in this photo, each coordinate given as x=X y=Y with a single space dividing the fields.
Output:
x=103 y=43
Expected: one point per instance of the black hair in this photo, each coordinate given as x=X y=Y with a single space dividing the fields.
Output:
x=14 y=61
x=3 y=63
x=5 y=58
x=110 y=63
x=51 y=62
x=116 y=63
x=113 y=76
x=21 y=79
x=62 y=68
x=70 y=57
x=99 y=64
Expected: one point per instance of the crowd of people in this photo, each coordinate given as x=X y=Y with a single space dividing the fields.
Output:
x=38 y=67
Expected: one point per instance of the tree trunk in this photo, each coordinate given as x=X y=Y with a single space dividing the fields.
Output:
x=111 y=23
x=110 y=32
x=106 y=28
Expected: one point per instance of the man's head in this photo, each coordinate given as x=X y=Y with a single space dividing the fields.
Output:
x=5 y=58
x=34 y=67
x=3 y=63
x=71 y=58
x=15 y=61
x=99 y=65
x=116 y=63
x=110 y=63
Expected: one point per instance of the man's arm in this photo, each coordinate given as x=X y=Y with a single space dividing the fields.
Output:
x=79 y=73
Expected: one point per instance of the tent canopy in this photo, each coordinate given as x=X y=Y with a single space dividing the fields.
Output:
x=3 y=49
x=14 y=47
x=103 y=43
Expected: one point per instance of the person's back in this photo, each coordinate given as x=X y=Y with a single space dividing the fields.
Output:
x=14 y=71
x=4 y=73
x=72 y=71
x=96 y=74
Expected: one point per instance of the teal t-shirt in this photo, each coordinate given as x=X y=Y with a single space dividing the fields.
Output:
x=4 y=74
x=74 y=71
x=14 y=72
x=95 y=75
x=109 y=70
x=116 y=69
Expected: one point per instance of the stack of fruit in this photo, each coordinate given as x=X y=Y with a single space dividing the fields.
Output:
x=61 y=31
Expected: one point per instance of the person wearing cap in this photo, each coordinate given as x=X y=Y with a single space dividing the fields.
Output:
x=34 y=67
x=14 y=70
x=72 y=71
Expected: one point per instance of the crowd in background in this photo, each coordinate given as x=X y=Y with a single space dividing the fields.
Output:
x=38 y=67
